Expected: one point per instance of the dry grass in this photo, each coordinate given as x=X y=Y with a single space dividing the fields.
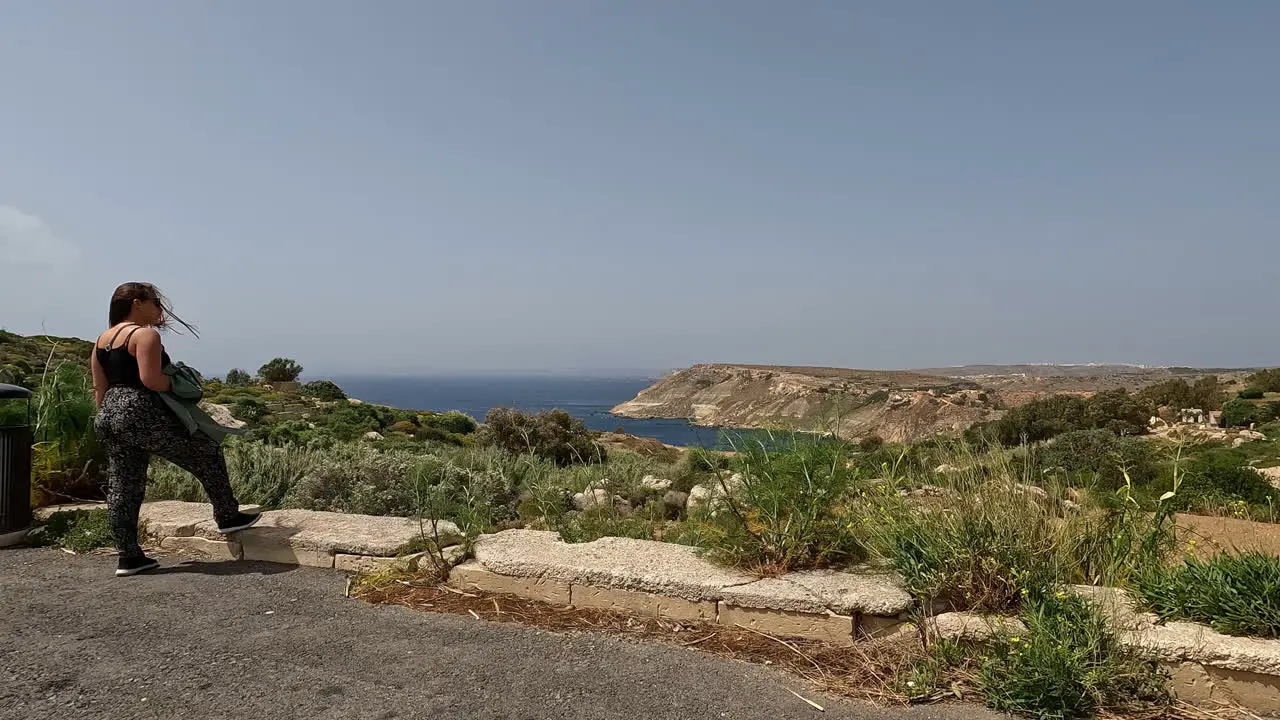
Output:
x=865 y=672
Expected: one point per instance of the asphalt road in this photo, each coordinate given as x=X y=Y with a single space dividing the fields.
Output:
x=231 y=641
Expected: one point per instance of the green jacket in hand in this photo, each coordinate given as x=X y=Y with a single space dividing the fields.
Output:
x=183 y=398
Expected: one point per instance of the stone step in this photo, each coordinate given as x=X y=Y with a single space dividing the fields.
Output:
x=296 y=537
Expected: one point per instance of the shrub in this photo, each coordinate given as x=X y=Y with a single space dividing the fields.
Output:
x=789 y=509
x=350 y=422
x=79 y=530
x=280 y=370
x=455 y=422
x=870 y=443
x=432 y=433
x=237 y=378
x=251 y=410
x=292 y=432
x=1038 y=420
x=980 y=552
x=1205 y=394
x=403 y=426
x=1217 y=479
x=990 y=541
x=1100 y=458
x=1241 y=413
x=1068 y=664
x=1117 y=411
x=1251 y=393
x=553 y=435
x=1265 y=380
x=355 y=478
x=326 y=390
x=1046 y=418
x=260 y=474
x=701 y=460
x=1237 y=594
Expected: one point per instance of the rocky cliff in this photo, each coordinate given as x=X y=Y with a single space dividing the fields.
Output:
x=897 y=406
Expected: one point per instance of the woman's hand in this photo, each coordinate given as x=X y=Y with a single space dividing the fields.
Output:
x=148 y=348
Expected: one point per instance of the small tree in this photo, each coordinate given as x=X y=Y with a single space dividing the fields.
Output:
x=280 y=370
x=553 y=435
x=324 y=390
x=237 y=378
x=1265 y=380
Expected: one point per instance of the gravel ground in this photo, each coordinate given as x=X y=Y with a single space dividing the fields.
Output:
x=237 y=640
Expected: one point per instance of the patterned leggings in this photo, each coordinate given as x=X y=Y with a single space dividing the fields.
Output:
x=133 y=424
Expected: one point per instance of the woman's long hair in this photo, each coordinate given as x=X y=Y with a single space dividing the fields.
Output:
x=122 y=304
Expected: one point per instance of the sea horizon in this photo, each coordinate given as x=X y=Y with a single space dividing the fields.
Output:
x=588 y=398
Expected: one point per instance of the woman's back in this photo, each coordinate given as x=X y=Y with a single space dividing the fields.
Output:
x=117 y=356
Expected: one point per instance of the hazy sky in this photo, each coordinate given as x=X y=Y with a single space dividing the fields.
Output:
x=543 y=184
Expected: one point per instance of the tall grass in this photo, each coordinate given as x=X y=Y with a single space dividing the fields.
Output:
x=1068 y=664
x=785 y=509
x=989 y=539
x=1238 y=594
x=67 y=462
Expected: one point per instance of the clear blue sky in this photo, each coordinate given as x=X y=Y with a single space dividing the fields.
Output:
x=555 y=185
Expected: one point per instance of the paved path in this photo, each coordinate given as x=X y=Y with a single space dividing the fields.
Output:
x=232 y=641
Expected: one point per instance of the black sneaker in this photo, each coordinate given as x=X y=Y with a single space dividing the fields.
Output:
x=242 y=521
x=133 y=566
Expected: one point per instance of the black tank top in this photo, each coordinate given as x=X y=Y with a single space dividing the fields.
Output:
x=120 y=366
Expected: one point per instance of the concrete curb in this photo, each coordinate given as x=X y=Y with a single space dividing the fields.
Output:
x=351 y=543
x=1206 y=668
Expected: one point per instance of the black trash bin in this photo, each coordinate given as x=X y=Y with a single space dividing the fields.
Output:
x=15 y=470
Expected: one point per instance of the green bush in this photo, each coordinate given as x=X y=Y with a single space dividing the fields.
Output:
x=1251 y=393
x=455 y=422
x=1046 y=418
x=1068 y=664
x=1205 y=394
x=553 y=435
x=986 y=541
x=355 y=478
x=1117 y=411
x=237 y=378
x=1237 y=594
x=1265 y=380
x=293 y=432
x=403 y=426
x=789 y=509
x=260 y=474
x=1099 y=457
x=351 y=422
x=326 y=390
x=1241 y=413
x=1217 y=479
x=982 y=550
x=433 y=433
x=251 y=410
x=79 y=530
x=280 y=370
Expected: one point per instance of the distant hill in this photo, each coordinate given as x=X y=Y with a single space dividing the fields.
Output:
x=897 y=405
x=23 y=358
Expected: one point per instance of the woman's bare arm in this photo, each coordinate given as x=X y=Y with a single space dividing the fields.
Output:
x=147 y=348
x=100 y=383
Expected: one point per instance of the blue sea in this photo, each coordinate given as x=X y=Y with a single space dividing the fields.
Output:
x=587 y=398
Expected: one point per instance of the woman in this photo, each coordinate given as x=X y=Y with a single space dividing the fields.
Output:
x=133 y=422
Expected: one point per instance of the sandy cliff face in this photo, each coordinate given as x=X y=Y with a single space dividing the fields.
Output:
x=897 y=406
